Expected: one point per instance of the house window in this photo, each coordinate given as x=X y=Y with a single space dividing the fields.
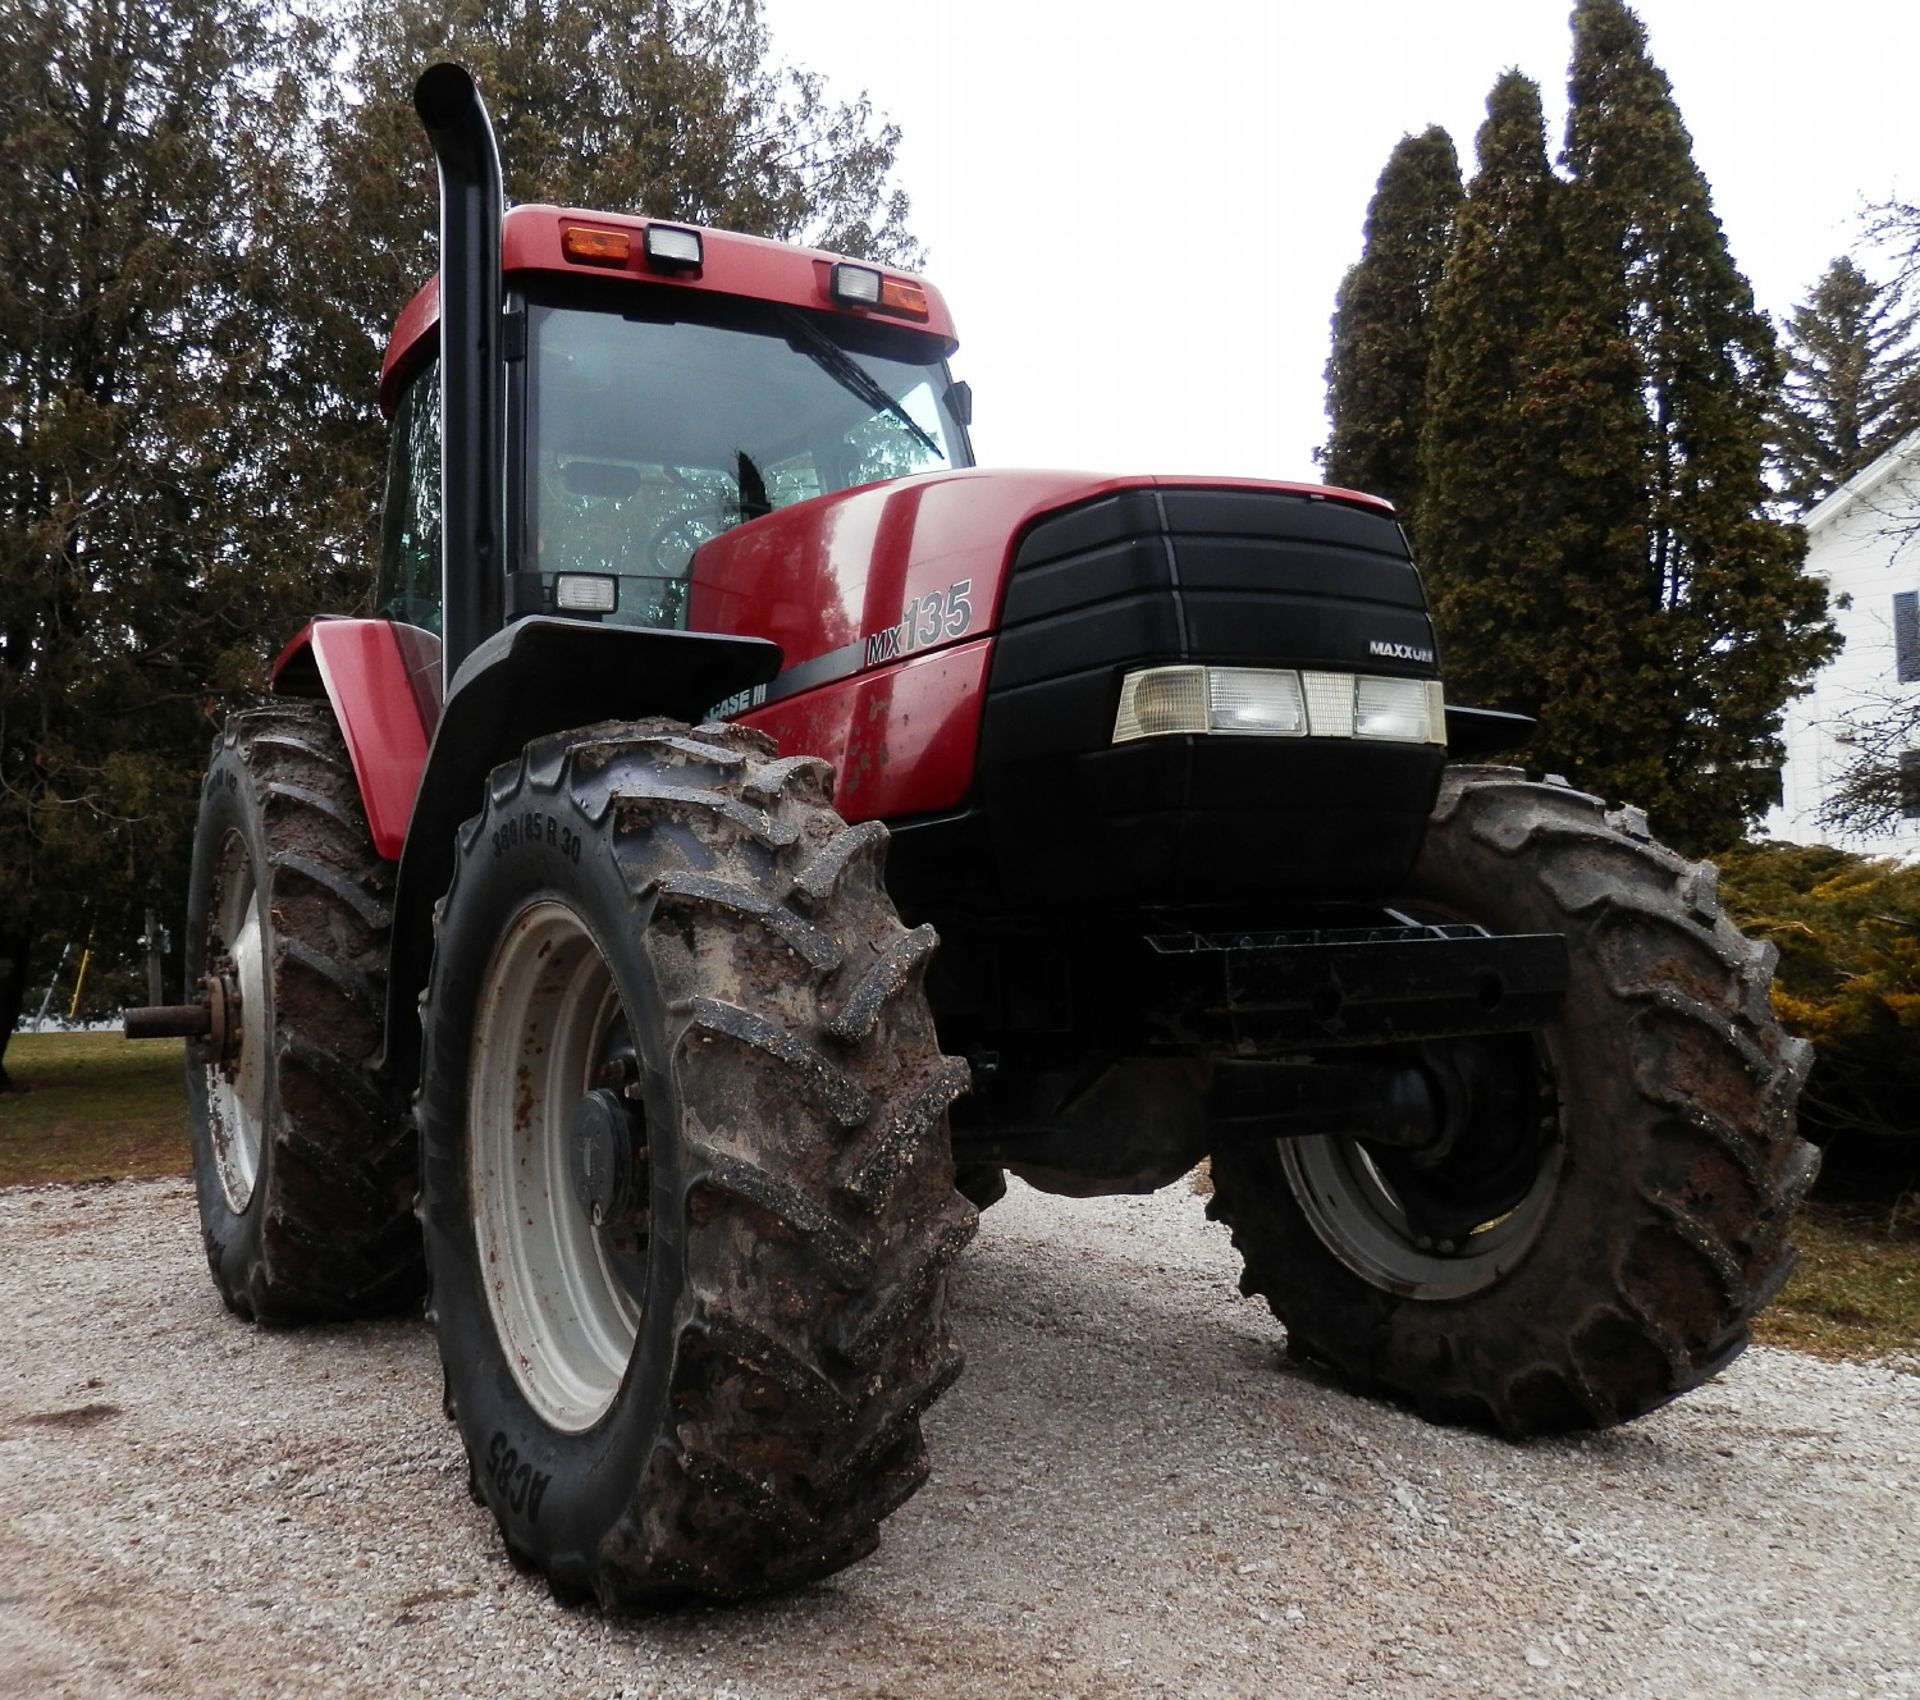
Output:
x=1910 y=784
x=1906 y=637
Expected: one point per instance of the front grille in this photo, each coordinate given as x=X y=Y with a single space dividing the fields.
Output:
x=1259 y=578
x=1151 y=576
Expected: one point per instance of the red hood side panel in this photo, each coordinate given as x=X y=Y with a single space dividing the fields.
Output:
x=879 y=599
x=842 y=568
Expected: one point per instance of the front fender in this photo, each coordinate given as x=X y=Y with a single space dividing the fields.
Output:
x=382 y=681
x=539 y=675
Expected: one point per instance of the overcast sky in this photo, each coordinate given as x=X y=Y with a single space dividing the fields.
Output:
x=1139 y=214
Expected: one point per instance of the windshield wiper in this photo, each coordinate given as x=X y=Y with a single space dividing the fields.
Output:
x=851 y=376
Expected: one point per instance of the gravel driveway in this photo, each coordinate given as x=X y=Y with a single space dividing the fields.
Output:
x=1128 y=1498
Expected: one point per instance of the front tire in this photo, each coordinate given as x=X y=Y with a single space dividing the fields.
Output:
x=687 y=1186
x=303 y=1168
x=1600 y=1237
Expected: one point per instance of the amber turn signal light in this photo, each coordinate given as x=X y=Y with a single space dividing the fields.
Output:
x=899 y=296
x=596 y=247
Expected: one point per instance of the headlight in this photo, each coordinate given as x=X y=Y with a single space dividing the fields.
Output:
x=1392 y=708
x=1250 y=699
x=1277 y=702
x=1161 y=700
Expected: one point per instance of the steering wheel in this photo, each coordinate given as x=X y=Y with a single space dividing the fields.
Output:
x=670 y=549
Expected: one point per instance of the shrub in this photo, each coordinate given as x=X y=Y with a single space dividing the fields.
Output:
x=1848 y=931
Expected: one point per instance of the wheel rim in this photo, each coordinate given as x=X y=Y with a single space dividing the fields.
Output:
x=1451 y=1221
x=1357 y=1215
x=565 y=1292
x=237 y=1081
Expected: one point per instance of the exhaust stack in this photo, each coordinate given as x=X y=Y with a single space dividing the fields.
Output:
x=471 y=385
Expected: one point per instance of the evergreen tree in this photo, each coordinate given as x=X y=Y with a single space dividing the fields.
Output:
x=203 y=244
x=1533 y=466
x=143 y=530
x=1377 y=373
x=1483 y=467
x=672 y=108
x=1894 y=227
x=1853 y=383
x=1738 y=628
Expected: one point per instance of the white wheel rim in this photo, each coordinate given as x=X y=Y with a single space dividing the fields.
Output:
x=1356 y=1215
x=237 y=1083
x=565 y=1318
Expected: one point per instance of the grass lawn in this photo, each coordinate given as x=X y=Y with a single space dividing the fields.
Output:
x=1856 y=1293
x=98 y=1107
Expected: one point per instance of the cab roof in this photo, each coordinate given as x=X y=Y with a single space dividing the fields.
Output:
x=534 y=238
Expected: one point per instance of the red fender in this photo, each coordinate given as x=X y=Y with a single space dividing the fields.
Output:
x=382 y=680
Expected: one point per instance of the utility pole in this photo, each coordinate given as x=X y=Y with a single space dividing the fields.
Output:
x=157 y=942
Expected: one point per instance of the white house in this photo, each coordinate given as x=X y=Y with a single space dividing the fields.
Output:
x=1864 y=540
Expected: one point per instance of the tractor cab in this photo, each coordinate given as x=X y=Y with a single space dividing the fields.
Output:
x=663 y=385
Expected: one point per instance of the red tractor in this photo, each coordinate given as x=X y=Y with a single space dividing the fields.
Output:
x=584 y=906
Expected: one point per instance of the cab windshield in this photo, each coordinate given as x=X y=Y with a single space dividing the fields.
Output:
x=648 y=434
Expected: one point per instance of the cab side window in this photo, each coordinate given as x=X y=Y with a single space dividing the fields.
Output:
x=409 y=584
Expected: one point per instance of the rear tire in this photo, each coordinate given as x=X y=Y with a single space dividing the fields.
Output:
x=688 y=1190
x=304 y=1171
x=1621 y=1263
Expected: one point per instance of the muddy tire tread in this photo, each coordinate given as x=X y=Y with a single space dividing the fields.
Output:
x=709 y=823
x=1713 y=1168
x=338 y=1237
